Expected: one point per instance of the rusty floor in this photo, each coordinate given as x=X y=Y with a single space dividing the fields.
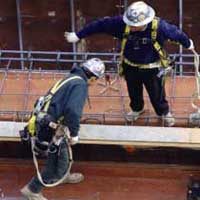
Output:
x=105 y=181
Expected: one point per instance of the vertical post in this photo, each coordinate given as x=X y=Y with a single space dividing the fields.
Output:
x=125 y=4
x=73 y=25
x=19 y=25
x=181 y=28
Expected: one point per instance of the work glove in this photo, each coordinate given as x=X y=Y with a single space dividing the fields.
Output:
x=74 y=140
x=191 y=47
x=71 y=37
x=164 y=71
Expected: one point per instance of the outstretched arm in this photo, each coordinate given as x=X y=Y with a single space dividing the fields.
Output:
x=109 y=25
x=74 y=108
x=173 y=33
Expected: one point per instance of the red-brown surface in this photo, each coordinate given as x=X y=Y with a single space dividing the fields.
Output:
x=106 y=181
x=20 y=90
x=40 y=28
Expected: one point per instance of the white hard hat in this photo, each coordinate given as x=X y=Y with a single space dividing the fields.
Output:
x=95 y=66
x=138 y=14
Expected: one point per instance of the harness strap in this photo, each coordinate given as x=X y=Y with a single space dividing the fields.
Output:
x=164 y=58
x=47 y=99
x=154 y=28
x=124 y=40
x=123 y=44
x=164 y=61
x=143 y=66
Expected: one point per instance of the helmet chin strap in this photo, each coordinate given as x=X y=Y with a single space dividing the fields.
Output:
x=92 y=80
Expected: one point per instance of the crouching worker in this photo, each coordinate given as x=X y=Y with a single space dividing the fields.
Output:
x=54 y=126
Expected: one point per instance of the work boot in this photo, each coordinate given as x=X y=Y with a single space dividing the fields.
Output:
x=134 y=115
x=74 y=178
x=29 y=195
x=168 y=120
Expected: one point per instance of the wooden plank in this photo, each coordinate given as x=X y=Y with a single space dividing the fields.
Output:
x=121 y=135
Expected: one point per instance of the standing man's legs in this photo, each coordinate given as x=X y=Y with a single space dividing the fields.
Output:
x=135 y=87
x=156 y=90
x=135 y=91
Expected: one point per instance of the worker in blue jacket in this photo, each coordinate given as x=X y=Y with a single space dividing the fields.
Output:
x=60 y=110
x=143 y=36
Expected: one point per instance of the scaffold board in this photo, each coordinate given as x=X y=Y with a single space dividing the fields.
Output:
x=121 y=135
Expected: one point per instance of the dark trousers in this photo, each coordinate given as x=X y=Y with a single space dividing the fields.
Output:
x=135 y=78
x=55 y=168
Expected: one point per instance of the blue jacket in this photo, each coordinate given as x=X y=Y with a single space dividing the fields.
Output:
x=69 y=101
x=139 y=47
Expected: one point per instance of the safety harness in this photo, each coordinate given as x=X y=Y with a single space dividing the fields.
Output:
x=42 y=104
x=41 y=108
x=164 y=58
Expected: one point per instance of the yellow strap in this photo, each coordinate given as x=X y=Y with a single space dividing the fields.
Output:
x=31 y=125
x=143 y=66
x=123 y=44
x=124 y=40
x=56 y=87
x=154 y=27
x=162 y=53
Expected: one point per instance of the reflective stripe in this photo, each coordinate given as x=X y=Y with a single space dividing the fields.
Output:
x=143 y=66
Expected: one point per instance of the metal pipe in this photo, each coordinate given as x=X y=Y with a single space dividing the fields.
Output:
x=125 y=4
x=181 y=28
x=19 y=23
x=63 y=53
x=73 y=25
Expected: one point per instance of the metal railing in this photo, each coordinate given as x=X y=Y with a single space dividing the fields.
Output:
x=32 y=58
x=68 y=57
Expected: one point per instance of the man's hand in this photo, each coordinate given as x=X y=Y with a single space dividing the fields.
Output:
x=74 y=140
x=191 y=47
x=71 y=37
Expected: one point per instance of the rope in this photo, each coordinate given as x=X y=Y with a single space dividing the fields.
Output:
x=196 y=95
x=37 y=166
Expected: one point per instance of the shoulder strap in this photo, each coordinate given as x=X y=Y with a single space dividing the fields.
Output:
x=162 y=53
x=124 y=40
x=123 y=44
x=154 y=28
x=55 y=88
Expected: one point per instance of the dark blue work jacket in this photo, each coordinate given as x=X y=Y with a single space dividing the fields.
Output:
x=69 y=100
x=139 y=47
